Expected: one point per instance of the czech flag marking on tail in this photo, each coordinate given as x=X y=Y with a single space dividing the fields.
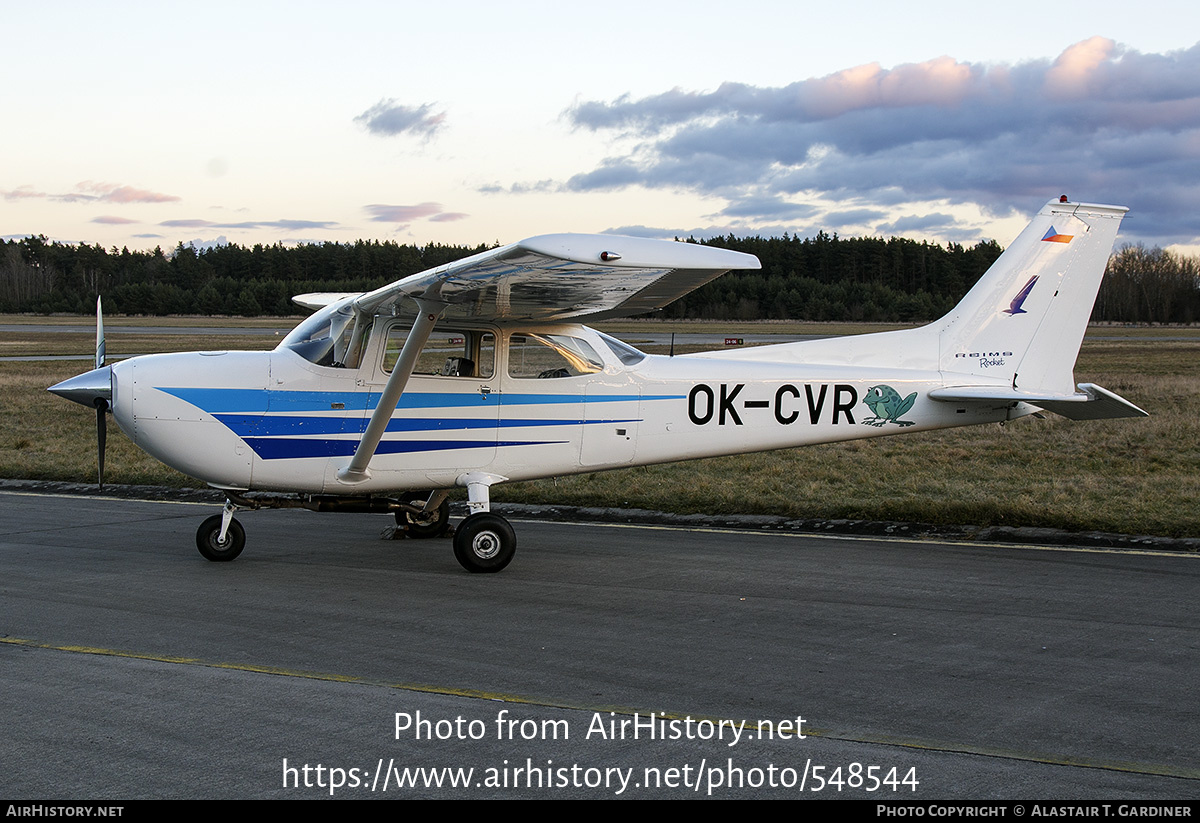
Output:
x=1054 y=237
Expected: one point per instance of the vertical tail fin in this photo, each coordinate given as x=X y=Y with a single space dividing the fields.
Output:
x=1025 y=318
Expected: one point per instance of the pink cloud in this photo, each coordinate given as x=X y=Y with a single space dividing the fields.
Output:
x=116 y=193
x=941 y=81
x=1072 y=72
x=21 y=192
x=381 y=213
x=187 y=224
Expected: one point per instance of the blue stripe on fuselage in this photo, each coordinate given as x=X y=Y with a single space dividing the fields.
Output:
x=269 y=448
x=264 y=418
x=263 y=401
x=250 y=425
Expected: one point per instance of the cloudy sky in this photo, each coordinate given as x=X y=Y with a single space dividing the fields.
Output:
x=144 y=124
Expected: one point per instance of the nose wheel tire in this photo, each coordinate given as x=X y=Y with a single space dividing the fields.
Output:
x=484 y=542
x=220 y=551
x=427 y=524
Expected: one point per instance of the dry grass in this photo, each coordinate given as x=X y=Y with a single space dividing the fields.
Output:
x=1137 y=476
x=46 y=438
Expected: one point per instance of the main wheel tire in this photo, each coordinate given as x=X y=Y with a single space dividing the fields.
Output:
x=484 y=543
x=431 y=524
x=220 y=551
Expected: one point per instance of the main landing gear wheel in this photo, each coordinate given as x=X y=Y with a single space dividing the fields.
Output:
x=484 y=542
x=426 y=524
x=220 y=551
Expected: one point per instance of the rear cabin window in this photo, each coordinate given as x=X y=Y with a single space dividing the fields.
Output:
x=550 y=356
x=626 y=353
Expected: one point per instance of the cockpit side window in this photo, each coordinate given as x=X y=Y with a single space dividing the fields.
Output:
x=549 y=356
x=447 y=352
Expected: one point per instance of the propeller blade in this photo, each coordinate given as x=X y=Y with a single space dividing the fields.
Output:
x=99 y=334
x=101 y=437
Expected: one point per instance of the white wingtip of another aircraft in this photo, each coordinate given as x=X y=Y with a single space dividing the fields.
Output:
x=320 y=299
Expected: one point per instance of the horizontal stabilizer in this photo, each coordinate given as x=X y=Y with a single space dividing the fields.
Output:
x=1091 y=403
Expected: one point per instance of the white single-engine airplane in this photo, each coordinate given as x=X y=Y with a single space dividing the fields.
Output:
x=477 y=372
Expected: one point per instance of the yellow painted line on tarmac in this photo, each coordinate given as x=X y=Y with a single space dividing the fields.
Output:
x=1154 y=769
x=307 y=675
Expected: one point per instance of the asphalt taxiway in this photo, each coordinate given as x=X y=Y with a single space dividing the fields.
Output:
x=131 y=667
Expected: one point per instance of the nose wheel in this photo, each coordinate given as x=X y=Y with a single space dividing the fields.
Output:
x=484 y=542
x=215 y=547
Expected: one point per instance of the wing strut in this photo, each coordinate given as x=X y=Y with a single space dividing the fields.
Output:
x=356 y=471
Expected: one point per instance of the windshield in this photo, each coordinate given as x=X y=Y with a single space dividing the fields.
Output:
x=322 y=339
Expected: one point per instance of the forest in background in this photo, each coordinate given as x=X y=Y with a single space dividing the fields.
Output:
x=821 y=278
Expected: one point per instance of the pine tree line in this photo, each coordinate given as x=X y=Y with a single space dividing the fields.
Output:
x=817 y=278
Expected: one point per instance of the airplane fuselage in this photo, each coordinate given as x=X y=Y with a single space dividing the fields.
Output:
x=276 y=421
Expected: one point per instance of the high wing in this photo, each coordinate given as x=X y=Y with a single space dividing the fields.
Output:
x=553 y=278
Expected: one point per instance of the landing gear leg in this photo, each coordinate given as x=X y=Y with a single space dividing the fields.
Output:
x=221 y=538
x=484 y=542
